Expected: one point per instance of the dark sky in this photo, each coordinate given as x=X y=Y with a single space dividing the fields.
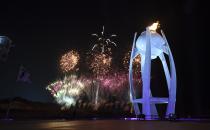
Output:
x=43 y=30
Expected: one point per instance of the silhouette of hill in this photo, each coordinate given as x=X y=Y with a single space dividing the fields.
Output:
x=20 y=108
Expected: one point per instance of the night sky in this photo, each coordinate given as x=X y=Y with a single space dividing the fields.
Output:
x=43 y=30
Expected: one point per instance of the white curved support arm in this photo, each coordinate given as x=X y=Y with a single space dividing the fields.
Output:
x=172 y=91
x=132 y=94
x=166 y=70
x=172 y=67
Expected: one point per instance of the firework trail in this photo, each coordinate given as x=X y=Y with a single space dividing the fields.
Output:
x=101 y=57
x=100 y=64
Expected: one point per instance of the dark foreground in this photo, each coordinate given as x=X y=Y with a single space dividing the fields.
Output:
x=103 y=125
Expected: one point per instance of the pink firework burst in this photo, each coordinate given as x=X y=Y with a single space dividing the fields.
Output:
x=55 y=87
x=114 y=81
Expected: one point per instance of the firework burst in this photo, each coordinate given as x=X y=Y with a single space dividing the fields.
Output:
x=136 y=62
x=117 y=85
x=114 y=81
x=73 y=85
x=103 y=42
x=100 y=64
x=67 y=91
x=69 y=61
x=55 y=87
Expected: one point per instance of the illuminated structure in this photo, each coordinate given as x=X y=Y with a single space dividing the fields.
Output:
x=151 y=45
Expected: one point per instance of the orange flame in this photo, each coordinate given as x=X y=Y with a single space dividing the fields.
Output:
x=154 y=26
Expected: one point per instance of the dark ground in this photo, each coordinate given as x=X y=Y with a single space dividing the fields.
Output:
x=103 y=125
x=22 y=109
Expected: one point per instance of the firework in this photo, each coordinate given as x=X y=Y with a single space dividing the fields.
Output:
x=67 y=91
x=73 y=85
x=71 y=89
x=114 y=81
x=116 y=86
x=117 y=81
x=100 y=64
x=103 y=42
x=69 y=61
x=101 y=57
x=136 y=62
x=89 y=86
x=55 y=87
